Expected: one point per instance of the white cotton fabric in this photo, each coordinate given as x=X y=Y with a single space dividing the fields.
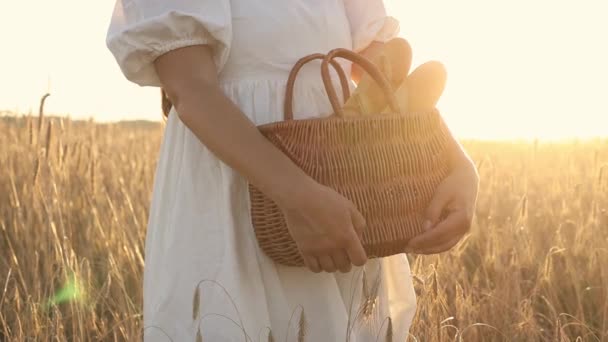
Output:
x=199 y=229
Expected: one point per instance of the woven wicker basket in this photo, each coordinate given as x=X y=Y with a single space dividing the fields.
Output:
x=387 y=164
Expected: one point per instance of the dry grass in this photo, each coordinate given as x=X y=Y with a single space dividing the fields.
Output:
x=74 y=198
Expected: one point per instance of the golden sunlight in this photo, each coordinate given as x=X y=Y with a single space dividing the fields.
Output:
x=516 y=69
x=99 y=221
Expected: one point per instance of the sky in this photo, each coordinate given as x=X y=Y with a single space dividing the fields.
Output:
x=516 y=69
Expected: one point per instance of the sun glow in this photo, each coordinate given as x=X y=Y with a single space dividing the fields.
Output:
x=517 y=69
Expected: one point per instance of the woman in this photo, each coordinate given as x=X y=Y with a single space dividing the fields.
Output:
x=224 y=66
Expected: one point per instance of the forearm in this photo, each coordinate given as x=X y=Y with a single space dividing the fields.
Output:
x=234 y=139
x=221 y=126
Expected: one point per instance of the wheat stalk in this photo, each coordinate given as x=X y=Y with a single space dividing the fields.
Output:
x=495 y=278
x=41 y=112
x=199 y=336
x=49 y=138
x=36 y=170
x=30 y=130
x=196 y=303
x=302 y=326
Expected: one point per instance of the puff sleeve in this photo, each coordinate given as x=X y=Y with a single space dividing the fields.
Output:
x=369 y=22
x=142 y=30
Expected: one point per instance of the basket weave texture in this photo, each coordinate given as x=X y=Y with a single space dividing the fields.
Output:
x=388 y=165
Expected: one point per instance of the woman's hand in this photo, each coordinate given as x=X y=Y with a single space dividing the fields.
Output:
x=322 y=222
x=450 y=212
x=327 y=228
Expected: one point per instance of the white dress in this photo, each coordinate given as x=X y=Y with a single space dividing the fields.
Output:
x=199 y=230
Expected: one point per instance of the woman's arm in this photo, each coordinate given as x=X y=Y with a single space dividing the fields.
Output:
x=450 y=213
x=189 y=78
x=323 y=223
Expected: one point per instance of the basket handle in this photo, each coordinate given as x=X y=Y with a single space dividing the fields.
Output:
x=288 y=105
x=367 y=65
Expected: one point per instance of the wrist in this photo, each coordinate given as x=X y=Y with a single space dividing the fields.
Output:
x=294 y=191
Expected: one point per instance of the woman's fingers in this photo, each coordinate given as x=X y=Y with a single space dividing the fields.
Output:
x=341 y=261
x=337 y=247
x=456 y=224
x=312 y=263
x=444 y=247
x=354 y=250
x=327 y=263
x=439 y=202
x=353 y=247
x=359 y=222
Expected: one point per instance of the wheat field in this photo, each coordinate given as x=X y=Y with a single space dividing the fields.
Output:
x=74 y=197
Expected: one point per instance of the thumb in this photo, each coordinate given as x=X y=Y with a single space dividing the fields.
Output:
x=359 y=222
x=435 y=208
